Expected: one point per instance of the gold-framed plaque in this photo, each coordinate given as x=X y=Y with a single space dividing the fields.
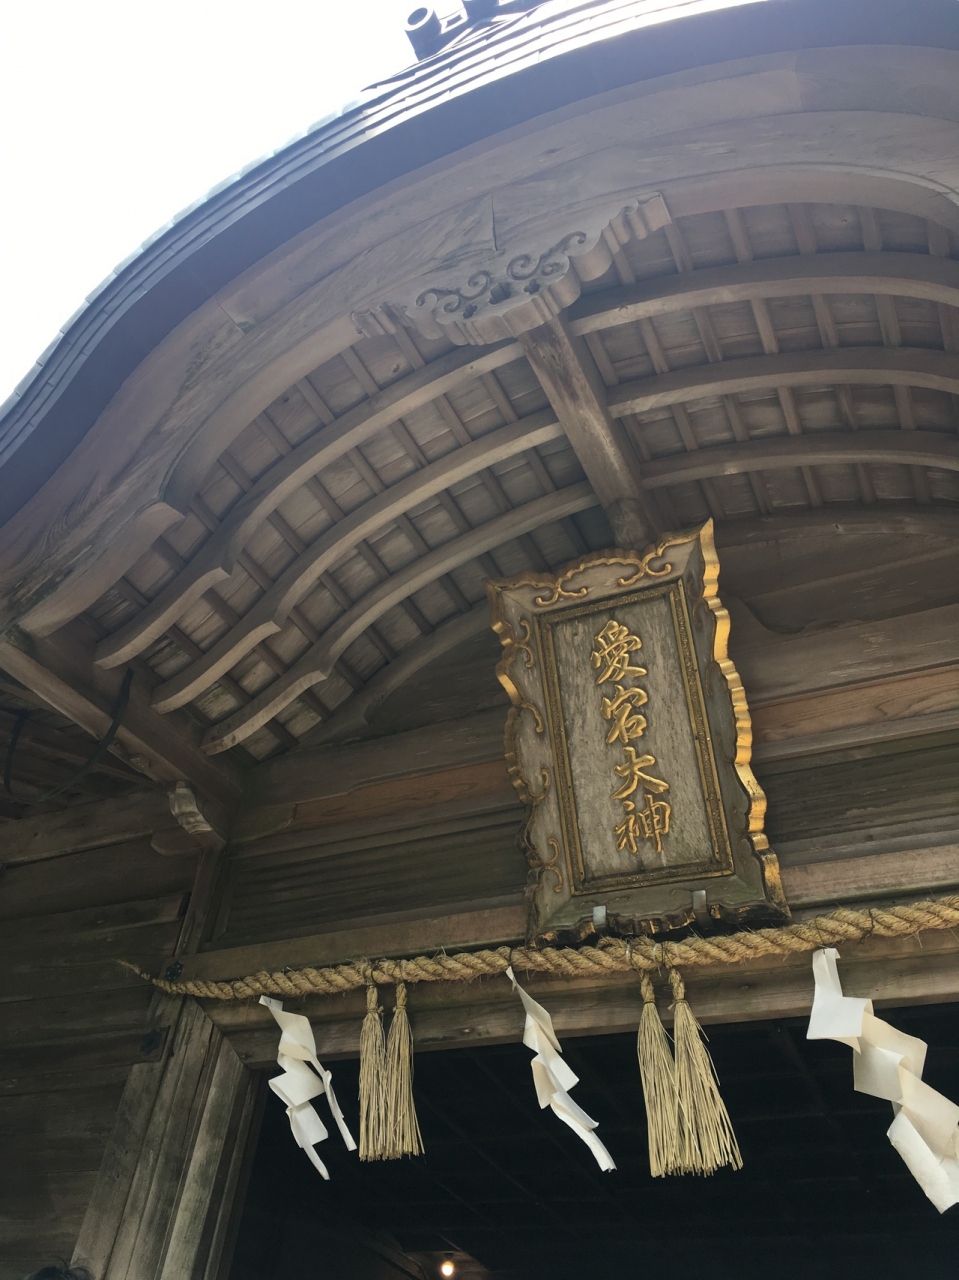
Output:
x=629 y=739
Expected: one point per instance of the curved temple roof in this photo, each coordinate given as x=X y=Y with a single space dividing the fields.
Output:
x=589 y=273
x=491 y=79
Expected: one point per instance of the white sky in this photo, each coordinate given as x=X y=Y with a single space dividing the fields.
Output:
x=116 y=114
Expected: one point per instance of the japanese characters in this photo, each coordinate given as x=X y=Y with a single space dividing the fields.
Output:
x=613 y=659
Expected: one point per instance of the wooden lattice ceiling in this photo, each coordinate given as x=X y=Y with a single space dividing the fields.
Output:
x=764 y=360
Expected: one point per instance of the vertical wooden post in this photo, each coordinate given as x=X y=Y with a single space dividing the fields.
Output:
x=164 y=1199
x=165 y=1194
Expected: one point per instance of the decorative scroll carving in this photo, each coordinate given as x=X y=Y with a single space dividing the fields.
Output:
x=651 y=808
x=519 y=291
x=556 y=584
x=513 y=646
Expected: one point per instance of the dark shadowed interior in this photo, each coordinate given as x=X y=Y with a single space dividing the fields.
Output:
x=506 y=1191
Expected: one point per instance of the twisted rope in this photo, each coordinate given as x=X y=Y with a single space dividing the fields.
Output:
x=610 y=955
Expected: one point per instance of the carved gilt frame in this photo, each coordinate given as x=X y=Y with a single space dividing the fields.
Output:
x=735 y=877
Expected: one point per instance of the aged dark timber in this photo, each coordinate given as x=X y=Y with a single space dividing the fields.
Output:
x=518 y=521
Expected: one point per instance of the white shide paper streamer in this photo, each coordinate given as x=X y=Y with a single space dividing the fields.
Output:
x=298 y=1085
x=888 y=1064
x=553 y=1078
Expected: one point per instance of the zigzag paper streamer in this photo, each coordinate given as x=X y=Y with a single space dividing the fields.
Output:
x=888 y=1064
x=553 y=1078
x=299 y=1085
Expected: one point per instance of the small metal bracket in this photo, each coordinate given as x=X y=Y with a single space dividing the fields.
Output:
x=700 y=909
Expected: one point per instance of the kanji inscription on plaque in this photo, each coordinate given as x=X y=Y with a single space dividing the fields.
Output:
x=628 y=738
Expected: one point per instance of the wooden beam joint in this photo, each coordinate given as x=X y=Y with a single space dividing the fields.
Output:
x=568 y=374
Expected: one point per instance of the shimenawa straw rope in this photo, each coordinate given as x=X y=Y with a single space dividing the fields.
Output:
x=610 y=955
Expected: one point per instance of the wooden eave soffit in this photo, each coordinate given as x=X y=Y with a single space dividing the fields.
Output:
x=522 y=292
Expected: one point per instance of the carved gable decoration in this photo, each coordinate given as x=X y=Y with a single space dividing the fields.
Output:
x=629 y=738
x=530 y=281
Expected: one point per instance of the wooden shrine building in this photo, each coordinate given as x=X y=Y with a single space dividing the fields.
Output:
x=596 y=297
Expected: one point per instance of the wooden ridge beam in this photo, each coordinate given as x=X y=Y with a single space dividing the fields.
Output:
x=269 y=614
x=904 y=275
x=316 y=664
x=216 y=558
x=868 y=366
x=568 y=375
x=906 y=448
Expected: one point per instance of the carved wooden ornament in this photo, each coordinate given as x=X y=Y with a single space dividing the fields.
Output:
x=629 y=738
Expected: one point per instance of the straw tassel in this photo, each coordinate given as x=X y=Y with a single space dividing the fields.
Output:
x=706 y=1137
x=658 y=1073
x=405 y=1138
x=374 y=1120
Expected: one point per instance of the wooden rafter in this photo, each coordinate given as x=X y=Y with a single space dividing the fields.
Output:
x=214 y=561
x=866 y=366
x=582 y=363
x=315 y=665
x=354 y=713
x=914 y=448
x=906 y=275
x=270 y=612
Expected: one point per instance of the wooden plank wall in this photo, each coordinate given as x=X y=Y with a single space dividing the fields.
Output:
x=79 y=889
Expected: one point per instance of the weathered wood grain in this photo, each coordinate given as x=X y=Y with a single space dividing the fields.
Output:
x=906 y=275
x=55 y=669
x=262 y=334
x=567 y=373
x=270 y=342
x=776 y=668
x=861 y=795
x=864 y=366
x=216 y=558
x=915 y=448
x=344 y=878
x=87 y=826
x=905 y=705
x=913 y=872
x=460 y=929
x=323 y=772
x=354 y=714
x=92 y=878
x=317 y=663
x=899 y=706
x=908 y=873
x=856 y=737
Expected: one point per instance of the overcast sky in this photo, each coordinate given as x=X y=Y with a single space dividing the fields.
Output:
x=114 y=115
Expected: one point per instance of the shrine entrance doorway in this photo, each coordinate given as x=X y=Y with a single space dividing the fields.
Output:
x=505 y=1191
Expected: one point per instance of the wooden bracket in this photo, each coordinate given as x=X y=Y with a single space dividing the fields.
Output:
x=194 y=834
